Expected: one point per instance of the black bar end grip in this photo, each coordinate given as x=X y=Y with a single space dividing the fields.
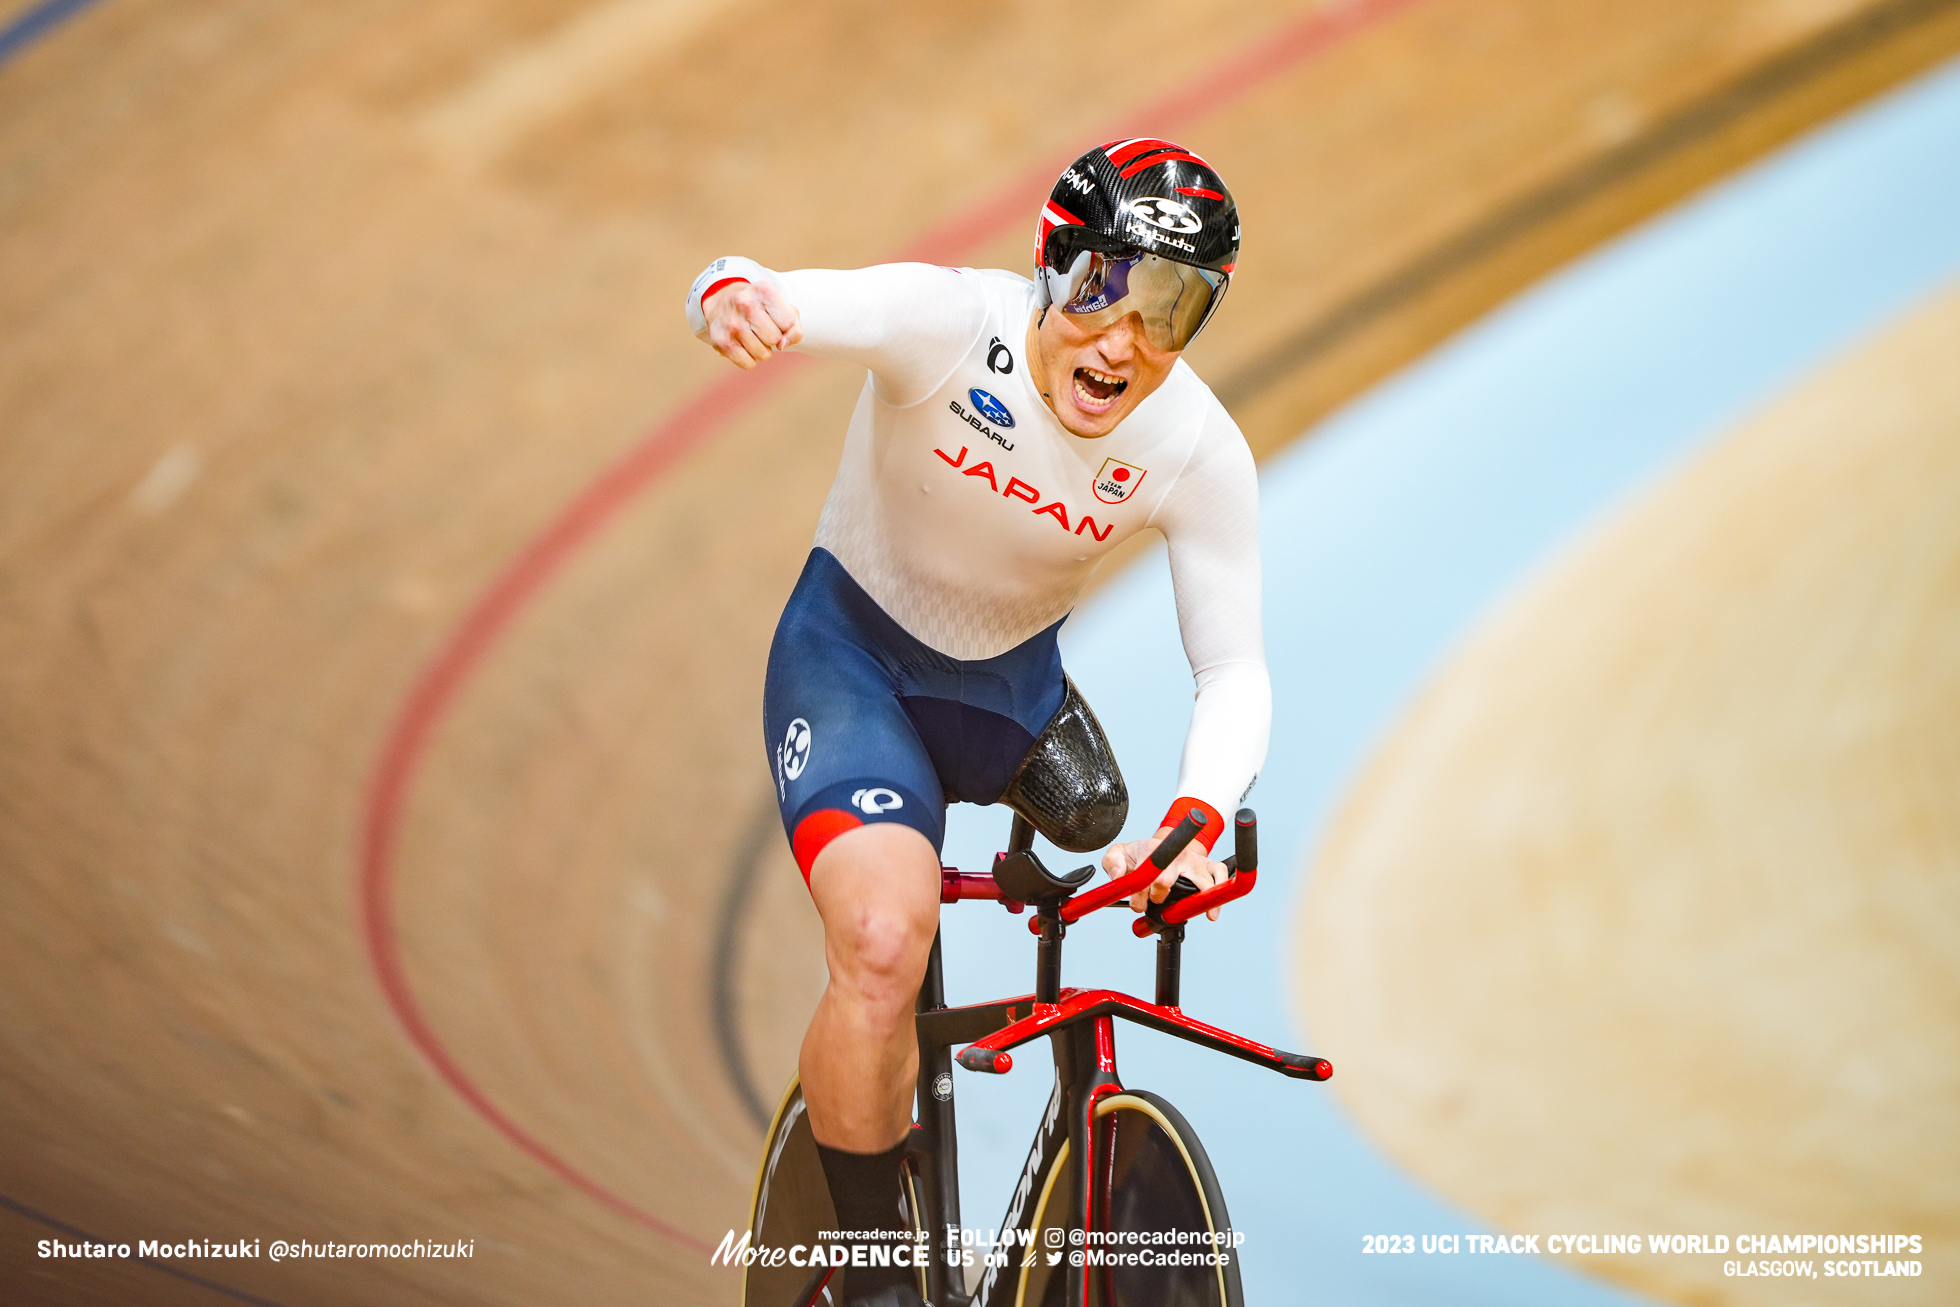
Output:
x=1245 y=841
x=1302 y=1066
x=1181 y=834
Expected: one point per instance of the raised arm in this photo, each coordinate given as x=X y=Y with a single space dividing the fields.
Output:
x=907 y=323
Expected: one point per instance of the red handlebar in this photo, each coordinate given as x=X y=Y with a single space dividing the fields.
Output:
x=955 y=885
x=1245 y=874
x=1110 y=891
x=1131 y=881
x=1235 y=886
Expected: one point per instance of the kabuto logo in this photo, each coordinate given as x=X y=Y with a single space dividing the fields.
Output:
x=1156 y=238
x=793 y=754
x=990 y=408
x=1171 y=215
x=1118 y=481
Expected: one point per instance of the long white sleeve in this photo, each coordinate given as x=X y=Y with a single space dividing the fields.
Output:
x=1211 y=519
x=908 y=324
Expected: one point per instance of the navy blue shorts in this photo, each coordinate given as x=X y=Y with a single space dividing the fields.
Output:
x=864 y=723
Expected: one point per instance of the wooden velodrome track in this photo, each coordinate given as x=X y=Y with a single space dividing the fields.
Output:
x=1698 y=780
x=380 y=754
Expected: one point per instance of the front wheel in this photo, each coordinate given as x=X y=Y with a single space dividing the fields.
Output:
x=1153 y=1182
x=792 y=1205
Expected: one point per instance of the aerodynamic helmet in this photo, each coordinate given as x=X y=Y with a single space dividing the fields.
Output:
x=1139 y=226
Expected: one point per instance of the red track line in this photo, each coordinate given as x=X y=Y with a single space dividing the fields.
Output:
x=435 y=688
x=1236 y=76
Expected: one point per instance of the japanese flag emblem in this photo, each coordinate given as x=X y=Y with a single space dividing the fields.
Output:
x=1117 y=481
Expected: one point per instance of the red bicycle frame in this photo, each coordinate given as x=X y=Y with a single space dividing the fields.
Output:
x=1079 y=1024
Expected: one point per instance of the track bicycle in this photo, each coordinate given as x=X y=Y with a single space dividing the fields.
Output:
x=1148 y=1195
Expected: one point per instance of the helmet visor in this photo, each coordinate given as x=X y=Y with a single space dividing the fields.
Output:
x=1173 y=299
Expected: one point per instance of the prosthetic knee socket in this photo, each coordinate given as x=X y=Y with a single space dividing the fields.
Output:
x=1068 y=786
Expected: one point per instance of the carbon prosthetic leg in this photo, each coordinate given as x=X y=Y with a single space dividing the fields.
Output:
x=1069 y=786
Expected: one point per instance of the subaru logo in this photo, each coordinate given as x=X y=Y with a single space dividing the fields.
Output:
x=990 y=408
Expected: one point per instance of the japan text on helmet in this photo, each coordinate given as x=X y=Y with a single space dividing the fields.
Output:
x=1139 y=226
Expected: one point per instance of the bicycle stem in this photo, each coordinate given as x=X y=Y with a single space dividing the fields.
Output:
x=1170 y=964
x=1048 y=958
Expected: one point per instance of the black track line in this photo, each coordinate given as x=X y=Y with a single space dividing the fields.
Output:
x=744 y=864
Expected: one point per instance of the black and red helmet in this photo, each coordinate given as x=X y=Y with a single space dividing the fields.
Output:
x=1145 y=225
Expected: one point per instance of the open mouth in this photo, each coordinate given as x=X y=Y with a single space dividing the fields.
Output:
x=1095 y=389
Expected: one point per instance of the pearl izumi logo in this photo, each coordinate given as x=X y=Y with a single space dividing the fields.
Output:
x=1117 y=481
x=1171 y=215
x=876 y=800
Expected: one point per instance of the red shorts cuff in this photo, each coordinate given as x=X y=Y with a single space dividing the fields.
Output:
x=817 y=830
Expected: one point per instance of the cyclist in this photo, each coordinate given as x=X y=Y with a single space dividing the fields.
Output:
x=1009 y=435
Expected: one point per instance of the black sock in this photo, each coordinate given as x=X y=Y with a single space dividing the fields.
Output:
x=864 y=1188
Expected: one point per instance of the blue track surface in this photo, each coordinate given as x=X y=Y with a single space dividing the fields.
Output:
x=35 y=22
x=1387 y=536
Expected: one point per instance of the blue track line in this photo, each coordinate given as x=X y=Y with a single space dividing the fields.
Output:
x=73 y=1232
x=34 y=22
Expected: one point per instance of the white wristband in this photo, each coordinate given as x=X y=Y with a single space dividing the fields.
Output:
x=731 y=267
